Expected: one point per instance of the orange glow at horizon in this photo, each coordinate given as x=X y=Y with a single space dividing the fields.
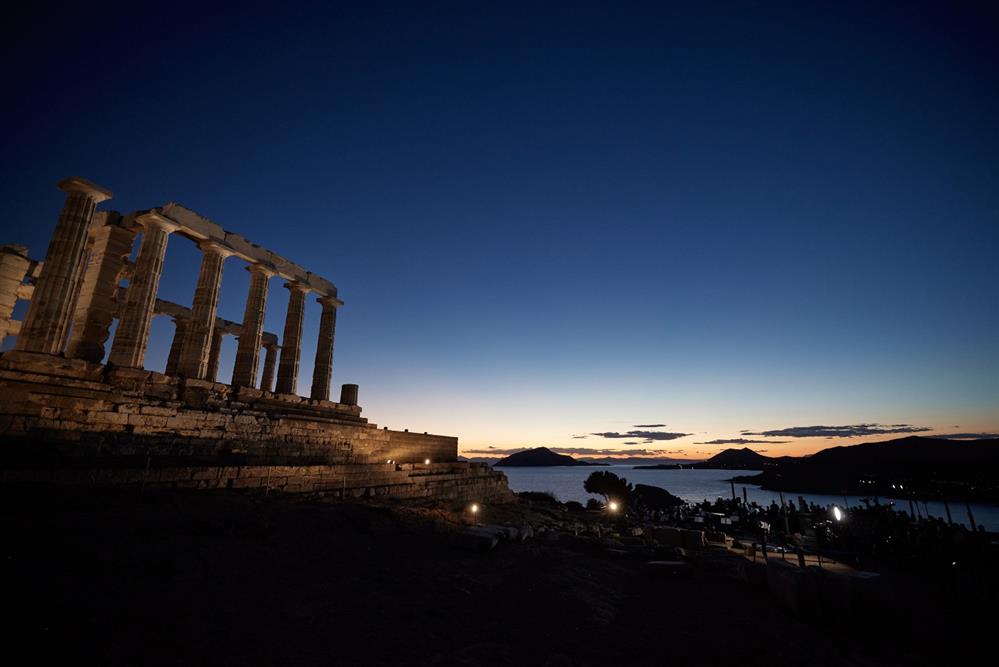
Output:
x=693 y=447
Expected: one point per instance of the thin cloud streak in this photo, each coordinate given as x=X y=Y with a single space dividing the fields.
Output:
x=848 y=431
x=648 y=436
x=741 y=441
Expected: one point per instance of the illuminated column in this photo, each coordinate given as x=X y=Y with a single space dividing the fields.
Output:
x=322 y=373
x=291 y=341
x=214 y=355
x=179 y=334
x=248 y=350
x=51 y=308
x=197 y=345
x=132 y=336
x=270 y=360
x=95 y=307
x=14 y=265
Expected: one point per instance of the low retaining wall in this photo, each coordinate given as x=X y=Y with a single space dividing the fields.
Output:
x=458 y=481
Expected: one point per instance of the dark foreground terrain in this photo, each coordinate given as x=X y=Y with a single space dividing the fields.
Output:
x=118 y=577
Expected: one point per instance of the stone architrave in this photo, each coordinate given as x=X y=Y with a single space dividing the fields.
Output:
x=95 y=308
x=291 y=341
x=270 y=361
x=322 y=373
x=248 y=349
x=179 y=334
x=51 y=309
x=197 y=344
x=132 y=336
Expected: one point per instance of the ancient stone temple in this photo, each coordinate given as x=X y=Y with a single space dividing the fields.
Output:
x=77 y=406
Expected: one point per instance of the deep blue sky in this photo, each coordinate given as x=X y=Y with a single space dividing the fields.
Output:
x=551 y=219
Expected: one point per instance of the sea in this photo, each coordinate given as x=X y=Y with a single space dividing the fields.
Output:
x=694 y=486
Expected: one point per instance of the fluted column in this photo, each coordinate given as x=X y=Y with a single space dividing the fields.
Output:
x=179 y=334
x=270 y=361
x=48 y=318
x=194 y=354
x=248 y=350
x=291 y=341
x=95 y=307
x=214 y=354
x=132 y=336
x=322 y=371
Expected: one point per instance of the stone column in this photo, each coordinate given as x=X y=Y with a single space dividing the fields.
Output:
x=291 y=341
x=78 y=279
x=132 y=336
x=194 y=354
x=95 y=307
x=179 y=334
x=270 y=360
x=214 y=354
x=244 y=373
x=14 y=264
x=49 y=313
x=348 y=394
x=322 y=371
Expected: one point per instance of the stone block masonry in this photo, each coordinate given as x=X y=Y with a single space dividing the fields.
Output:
x=68 y=421
x=71 y=409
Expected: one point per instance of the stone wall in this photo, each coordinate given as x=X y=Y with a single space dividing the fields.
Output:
x=455 y=481
x=62 y=409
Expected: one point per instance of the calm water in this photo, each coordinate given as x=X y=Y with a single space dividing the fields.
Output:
x=698 y=485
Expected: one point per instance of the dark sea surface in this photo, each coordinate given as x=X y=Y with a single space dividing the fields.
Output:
x=698 y=485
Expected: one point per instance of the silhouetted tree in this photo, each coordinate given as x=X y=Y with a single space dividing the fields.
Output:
x=608 y=485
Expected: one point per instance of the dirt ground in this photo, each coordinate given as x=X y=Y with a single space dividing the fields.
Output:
x=169 y=578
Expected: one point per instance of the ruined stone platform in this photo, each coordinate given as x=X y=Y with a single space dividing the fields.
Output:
x=69 y=421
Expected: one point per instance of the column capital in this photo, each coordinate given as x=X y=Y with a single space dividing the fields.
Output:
x=154 y=219
x=327 y=301
x=261 y=269
x=297 y=286
x=211 y=246
x=77 y=184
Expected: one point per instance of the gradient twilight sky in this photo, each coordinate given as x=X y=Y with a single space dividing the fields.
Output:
x=549 y=220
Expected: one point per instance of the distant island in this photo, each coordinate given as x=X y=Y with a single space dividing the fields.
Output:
x=741 y=459
x=538 y=457
x=729 y=459
x=915 y=467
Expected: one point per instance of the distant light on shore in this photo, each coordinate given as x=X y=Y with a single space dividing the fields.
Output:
x=474 y=508
x=612 y=506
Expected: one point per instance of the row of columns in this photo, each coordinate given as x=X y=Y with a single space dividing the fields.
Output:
x=197 y=342
x=180 y=334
